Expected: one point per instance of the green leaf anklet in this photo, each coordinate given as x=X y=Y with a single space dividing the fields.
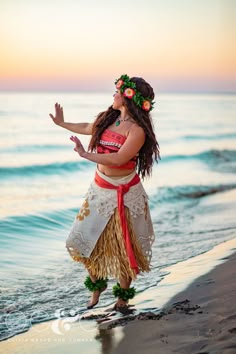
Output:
x=124 y=294
x=99 y=284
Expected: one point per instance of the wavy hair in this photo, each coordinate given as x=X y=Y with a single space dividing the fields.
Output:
x=150 y=151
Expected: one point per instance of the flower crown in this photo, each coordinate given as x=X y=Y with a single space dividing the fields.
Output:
x=129 y=90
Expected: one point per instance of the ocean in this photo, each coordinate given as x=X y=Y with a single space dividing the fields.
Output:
x=43 y=181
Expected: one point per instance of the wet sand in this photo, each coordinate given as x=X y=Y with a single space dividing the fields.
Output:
x=200 y=319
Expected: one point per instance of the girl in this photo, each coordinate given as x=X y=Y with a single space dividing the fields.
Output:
x=112 y=234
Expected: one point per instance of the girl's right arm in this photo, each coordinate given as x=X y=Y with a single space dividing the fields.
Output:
x=79 y=128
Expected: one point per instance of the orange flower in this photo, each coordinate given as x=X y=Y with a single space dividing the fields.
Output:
x=119 y=84
x=146 y=105
x=129 y=92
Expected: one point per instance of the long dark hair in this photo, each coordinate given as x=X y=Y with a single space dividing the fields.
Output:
x=150 y=151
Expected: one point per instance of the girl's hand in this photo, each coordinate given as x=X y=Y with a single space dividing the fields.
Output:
x=78 y=146
x=59 y=117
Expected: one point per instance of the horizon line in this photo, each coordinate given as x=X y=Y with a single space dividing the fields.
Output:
x=227 y=92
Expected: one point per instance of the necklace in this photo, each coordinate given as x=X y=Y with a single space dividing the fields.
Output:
x=121 y=120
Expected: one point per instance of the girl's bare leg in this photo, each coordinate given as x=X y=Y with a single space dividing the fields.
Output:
x=95 y=294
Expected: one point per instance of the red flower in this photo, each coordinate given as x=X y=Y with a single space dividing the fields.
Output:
x=119 y=84
x=146 y=105
x=129 y=92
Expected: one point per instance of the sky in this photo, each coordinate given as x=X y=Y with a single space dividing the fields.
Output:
x=84 y=45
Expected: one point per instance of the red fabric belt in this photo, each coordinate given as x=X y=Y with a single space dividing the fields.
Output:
x=121 y=190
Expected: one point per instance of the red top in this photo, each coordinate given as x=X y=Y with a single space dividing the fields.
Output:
x=111 y=142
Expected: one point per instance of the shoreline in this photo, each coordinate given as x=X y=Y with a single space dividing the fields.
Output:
x=66 y=334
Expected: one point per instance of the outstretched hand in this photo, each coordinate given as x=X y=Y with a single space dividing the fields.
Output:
x=59 y=116
x=78 y=145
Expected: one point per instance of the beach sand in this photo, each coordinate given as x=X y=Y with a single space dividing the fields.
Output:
x=203 y=320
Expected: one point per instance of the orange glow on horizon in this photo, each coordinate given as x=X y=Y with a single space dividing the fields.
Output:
x=173 y=42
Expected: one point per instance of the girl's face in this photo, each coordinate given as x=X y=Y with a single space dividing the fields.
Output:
x=118 y=100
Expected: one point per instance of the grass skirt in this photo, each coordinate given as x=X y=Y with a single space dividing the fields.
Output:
x=109 y=258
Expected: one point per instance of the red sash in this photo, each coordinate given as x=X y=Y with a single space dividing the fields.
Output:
x=121 y=190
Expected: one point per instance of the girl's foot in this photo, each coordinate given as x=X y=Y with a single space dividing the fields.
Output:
x=123 y=307
x=121 y=303
x=95 y=298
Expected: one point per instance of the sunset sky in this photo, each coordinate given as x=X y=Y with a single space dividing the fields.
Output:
x=84 y=45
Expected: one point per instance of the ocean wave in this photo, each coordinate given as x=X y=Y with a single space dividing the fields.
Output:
x=33 y=148
x=221 y=160
x=49 y=169
x=231 y=135
x=11 y=227
x=178 y=193
x=58 y=218
x=216 y=159
x=50 y=220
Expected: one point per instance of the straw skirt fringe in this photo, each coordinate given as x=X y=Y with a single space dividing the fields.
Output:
x=109 y=258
